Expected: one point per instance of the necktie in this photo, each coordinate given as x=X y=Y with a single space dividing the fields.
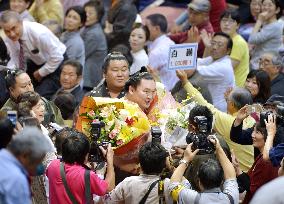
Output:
x=21 y=56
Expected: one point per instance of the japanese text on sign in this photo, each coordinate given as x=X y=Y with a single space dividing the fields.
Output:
x=182 y=56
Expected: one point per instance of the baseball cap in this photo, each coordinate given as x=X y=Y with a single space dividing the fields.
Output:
x=200 y=5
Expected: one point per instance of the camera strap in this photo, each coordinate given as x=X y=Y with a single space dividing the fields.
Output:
x=143 y=200
x=162 y=199
x=88 y=195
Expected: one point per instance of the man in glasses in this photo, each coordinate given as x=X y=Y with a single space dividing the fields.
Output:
x=272 y=64
x=217 y=70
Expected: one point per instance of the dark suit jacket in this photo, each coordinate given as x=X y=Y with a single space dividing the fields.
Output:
x=78 y=93
x=277 y=85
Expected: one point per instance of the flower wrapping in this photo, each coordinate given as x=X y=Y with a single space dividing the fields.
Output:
x=126 y=125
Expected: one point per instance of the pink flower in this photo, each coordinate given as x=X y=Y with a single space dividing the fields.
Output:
x=92 y=113
x=119 y=142
x=112 y=134
x=95 y=121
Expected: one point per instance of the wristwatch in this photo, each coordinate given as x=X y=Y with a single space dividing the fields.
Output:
x=182 y=161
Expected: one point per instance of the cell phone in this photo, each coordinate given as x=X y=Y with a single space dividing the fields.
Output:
x=12 y=116
x=254 y=108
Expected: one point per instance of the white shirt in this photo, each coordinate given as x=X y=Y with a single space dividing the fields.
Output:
x=140 y=59
x=219 y=75
x=158 y=59
x=40 y=45
x=132 y=189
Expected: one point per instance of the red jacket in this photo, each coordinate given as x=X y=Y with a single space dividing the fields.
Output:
x=260 y=173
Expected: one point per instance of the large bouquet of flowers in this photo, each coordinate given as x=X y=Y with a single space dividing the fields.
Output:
x=176 y=125
x=125 y=125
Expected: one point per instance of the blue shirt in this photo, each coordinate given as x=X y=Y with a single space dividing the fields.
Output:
x=14 y=185
x=276 y=154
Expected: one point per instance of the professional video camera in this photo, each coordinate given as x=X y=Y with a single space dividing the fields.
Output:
x=95 y=154
x=279 y=116
x=200 y=137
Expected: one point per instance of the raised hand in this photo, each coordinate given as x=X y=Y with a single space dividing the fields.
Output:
x=154 y=73
x=206 y=38
x=263 y=16
x=181 y=74
x=270 y=124
x=227 y=93
x=189 y=154
x=242 y=114
x=193 y=35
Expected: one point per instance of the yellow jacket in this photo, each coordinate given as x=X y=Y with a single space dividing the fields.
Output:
x=222 y=125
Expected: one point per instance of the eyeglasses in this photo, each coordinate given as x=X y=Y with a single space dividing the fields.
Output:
x=264 y=62
x=218 y=44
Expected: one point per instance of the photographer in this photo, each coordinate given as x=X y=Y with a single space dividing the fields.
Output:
x=237 y=98
x=200 y=123
x=69 y=181
x=211 y=175
x=144 y=188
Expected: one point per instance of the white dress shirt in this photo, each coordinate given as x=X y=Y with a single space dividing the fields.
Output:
x=219 y=75
x=40 y=45
x=140 y=59
x=158 y=59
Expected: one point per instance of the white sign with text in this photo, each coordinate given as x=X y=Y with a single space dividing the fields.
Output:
x=182 y=56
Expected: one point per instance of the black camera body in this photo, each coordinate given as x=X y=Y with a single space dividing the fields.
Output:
x=95 y=154
x=200 y=138
x=156 y=134
x=279 y=116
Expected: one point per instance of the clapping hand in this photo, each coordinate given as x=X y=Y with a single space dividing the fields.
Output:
x=242 y=114
x=206 y=38
x=154 y=73
x=193 y=35
x=236 y=163
x=181 y=74
x=270 y=124
x=227 y=93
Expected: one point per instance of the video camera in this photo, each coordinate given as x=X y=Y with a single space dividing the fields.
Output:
x=279 y=116
x=95 y=154
x=200 y=137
